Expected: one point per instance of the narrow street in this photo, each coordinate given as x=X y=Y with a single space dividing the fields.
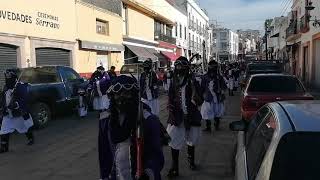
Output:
x=67 y=149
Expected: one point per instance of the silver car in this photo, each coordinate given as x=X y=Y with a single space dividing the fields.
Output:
x=281 y=142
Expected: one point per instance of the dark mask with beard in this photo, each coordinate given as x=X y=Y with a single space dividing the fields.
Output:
x=212 y=71
x=147 y=69
x=10 y=83
x=125 y=101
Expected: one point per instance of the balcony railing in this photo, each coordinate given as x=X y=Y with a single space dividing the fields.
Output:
x=304 y=24
x=292 y=29
x=165 y=38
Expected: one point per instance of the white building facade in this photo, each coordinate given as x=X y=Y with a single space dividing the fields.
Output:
x=227 y=44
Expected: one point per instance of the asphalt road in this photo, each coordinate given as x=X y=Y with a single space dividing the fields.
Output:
x=67 y=150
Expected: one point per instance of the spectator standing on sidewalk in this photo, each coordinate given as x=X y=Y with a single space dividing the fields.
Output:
x=112 y=72
x=16 y=115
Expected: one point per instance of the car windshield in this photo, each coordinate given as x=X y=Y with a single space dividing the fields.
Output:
x=272 y=84
x=40 y=75
x=130 y=69
x=264 y=67
x=297 y=157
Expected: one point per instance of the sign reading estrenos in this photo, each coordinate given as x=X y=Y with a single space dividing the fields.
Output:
x=40 y=19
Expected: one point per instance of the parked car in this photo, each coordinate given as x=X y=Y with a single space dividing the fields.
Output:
x=282 y=142
x=260 y=68
x=53 y=89
x=265 y=88
x=131 y=70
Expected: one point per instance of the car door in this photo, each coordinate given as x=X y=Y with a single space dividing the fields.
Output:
x=241 y=172
x=71 y=80
x=258 y=144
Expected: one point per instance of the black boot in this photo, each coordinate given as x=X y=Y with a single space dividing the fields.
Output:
x=191 y=152
x=30 y=137
x=174 y=171
x=208 y=126
x=4 y=143
x=217 y=124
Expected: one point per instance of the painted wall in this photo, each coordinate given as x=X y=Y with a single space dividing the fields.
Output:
x=140 y=25
x=45 y=18
x=86 y=60
x=86 y=24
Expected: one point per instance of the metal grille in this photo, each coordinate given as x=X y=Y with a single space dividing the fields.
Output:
x=8 y=59
x=51 y=56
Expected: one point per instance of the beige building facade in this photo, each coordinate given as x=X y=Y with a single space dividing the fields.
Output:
x=60 y=32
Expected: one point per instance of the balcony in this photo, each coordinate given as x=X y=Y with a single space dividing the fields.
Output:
x=165 y=38
x=292 y=29
x=304 y=24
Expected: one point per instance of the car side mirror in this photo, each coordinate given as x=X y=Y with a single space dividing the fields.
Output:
x=238 y=126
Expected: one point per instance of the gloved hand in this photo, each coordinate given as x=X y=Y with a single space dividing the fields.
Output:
x=26 y=116
x=13 y=105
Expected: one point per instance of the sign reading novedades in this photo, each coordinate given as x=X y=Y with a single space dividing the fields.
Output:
x=43 y=19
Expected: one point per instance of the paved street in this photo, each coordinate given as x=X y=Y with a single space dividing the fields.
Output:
x=67 y=149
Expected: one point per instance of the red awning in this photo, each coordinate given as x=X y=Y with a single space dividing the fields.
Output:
x=170 y=55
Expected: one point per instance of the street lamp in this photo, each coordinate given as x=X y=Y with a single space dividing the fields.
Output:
x=267 y=33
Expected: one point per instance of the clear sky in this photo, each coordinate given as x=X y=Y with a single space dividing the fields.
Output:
x=244 y=14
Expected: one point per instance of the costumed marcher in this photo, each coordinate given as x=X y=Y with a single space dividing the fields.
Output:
x=112 y=74
x=230 y=80
x=167 y=79
x=149 y=87
x=117 y=138
x=212 y=88
x=184 y=120
x=236 y=75
x=100 y=87
x=16 y=115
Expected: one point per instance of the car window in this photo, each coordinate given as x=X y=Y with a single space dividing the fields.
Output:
x=259 y=144
x=40 y=75
x=297 y=157
x=70 y=74
x=255 y=122
x=278 y=84
x=127 y=69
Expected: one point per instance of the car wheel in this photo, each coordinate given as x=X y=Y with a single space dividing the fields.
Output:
x=41 y=115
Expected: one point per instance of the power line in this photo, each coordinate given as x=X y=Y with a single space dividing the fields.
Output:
x=286 y=7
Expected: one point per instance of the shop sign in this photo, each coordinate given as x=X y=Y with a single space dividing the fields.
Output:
x=101 y=46
x=40 y=19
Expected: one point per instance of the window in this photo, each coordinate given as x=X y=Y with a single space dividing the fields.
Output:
x=259 y=143
x=278 y=84
x=169 y=31
x=177 y=30
x=297 y=157
x=70 y=75
x=40 y=75
x=180 y=31
x=185 y=33
x=102 y=27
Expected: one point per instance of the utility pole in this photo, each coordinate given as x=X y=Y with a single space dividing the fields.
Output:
x=266 y=45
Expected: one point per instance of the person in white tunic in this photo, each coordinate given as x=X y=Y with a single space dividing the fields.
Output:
x=101 y=100
x=149 y=87
x=184 y=120
x=212 y=88
x=16 y=116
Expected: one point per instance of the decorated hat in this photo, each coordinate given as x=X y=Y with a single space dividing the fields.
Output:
x=100 y=68
x=123 y=83
x=147 y=63
x=11 y=73
x=183 y=61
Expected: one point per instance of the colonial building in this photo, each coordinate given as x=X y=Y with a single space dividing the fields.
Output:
x=303 y=40
x=37 y=33
x=99 y=35
x=227 y=44
x=146 y=33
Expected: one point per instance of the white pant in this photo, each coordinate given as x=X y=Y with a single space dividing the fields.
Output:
x=154 y=105
x=122 y=161
x=101 y=103
x=180 y=136
x=9 y=125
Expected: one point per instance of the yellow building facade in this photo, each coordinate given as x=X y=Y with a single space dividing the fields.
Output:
x=97 y=48
x=59 y=32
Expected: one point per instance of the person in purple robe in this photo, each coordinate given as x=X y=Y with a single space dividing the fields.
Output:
x=117 y=138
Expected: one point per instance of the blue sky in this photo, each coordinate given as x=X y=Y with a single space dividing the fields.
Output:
x=243 y=14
